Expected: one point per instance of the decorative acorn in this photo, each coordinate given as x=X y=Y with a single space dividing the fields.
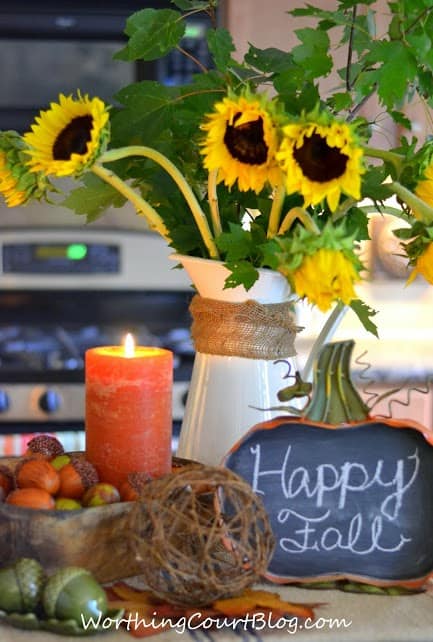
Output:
x=45 y=446
x=76 y=477
x=21 y=586
x=72 y=593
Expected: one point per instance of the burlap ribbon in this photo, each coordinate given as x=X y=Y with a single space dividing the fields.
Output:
x=249 y=329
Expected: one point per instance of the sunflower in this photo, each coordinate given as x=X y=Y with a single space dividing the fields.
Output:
x=67 y=138
x=324 y=277
x=321 y=160
x=423 y=265
x=241 y=142
x=424 y=187
x=17 y=184
x=9 y=185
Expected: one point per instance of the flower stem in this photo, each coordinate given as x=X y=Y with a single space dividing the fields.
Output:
x=386 y=155
x=171 y=169
x=275 y=215
x=385 y=209
x=325 y=335
x=143 y=208
x=301 y=215
x=342 y=209
x=420 y=209
x=213 y=202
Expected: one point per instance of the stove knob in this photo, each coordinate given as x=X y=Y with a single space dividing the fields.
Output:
x=49 y=401
x=4 y=401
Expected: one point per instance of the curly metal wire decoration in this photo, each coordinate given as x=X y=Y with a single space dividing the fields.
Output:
x=374 y=397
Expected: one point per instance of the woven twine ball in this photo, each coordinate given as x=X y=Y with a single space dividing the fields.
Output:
x=199 y=535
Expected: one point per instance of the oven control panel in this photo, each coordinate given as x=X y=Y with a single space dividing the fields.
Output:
x=63 y=258
x=60 y=402
x=77 y=257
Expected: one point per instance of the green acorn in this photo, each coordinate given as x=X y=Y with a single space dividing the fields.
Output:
x=21 y=586
x=72 y=593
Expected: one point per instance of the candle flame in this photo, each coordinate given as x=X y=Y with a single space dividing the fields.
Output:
x=129 y=345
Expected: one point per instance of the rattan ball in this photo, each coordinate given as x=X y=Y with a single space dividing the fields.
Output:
x=199 y=535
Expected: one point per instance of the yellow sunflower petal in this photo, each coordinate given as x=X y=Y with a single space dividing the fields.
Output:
x=321 y=162
x=9 y=185
x=67 y=138
x=241 y=142
x=324 y=277
x=17 y=183
x=424 y=265
x=424 y=188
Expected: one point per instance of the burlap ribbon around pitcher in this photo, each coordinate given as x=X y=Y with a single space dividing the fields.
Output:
x=248 y=329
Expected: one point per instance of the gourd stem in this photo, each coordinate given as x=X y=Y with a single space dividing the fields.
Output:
x=335 y=399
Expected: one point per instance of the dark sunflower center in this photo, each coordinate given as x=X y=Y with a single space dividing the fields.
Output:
x=73 y=138
x=246 y=142
x=318 y=161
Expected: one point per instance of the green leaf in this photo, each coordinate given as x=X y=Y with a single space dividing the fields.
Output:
x=271 y=60
x=93 y=198
x=242 y=273
x=185 y=239
x=308 y=97
x=270 y=250
x=312 y=55
x=147 y=96
x=220 y=43
x=420 y=42
x=392 y=57
x=288 y=84
x=364 y=314
x=236 y=244
x=349 y=4
x=193 y=5
x=340 y=101
x=356 y=224
x=399 y=118
x=147 y=112
x=373 y=186
x=152 y=34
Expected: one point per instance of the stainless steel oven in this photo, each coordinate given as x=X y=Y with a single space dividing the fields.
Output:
x=49 y=47
x=67 y=289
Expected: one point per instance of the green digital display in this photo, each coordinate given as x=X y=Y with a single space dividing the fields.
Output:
x=76 y=251
x=60 y=257
x=71 y=251
x=194 y=31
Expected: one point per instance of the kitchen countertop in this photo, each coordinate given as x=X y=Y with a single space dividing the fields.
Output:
x=369 y=618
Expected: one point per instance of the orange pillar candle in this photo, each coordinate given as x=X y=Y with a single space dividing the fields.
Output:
x=128 y=410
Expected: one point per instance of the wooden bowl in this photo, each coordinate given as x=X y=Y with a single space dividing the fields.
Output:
x=93 y=538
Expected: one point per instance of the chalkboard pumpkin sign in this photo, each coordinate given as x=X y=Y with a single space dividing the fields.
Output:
x=352 y=499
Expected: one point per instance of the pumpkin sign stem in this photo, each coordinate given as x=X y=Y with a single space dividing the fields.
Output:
x=335 y=399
